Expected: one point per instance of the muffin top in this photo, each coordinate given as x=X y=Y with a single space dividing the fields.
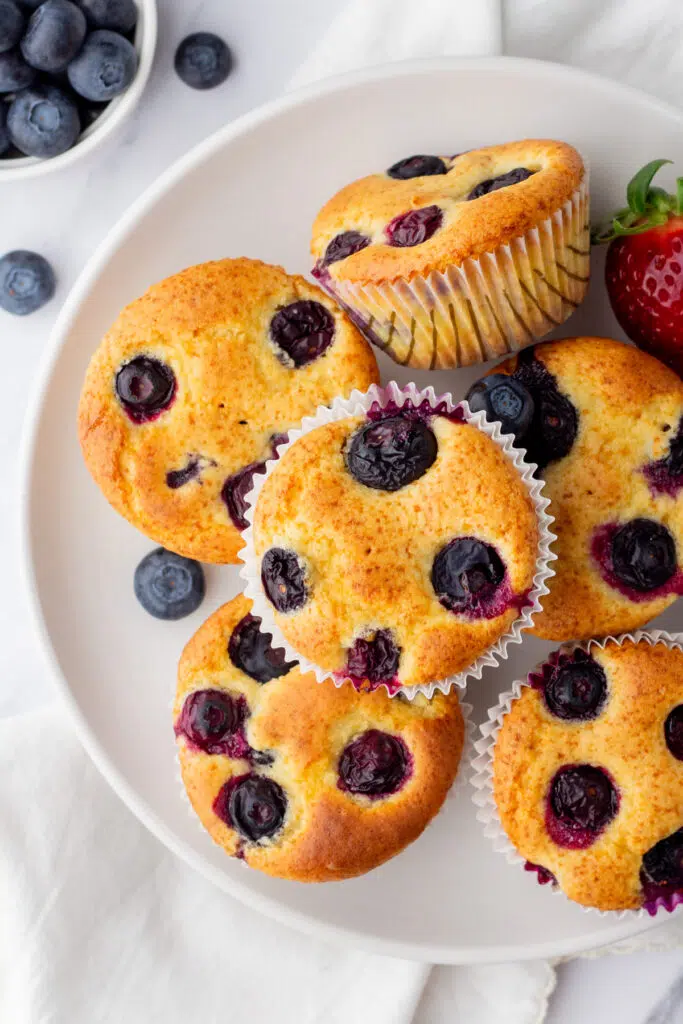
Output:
x=607 y=433
x=427 y=212
x=196 y=383
x=300 y=779
x=588 y=774
x=395 y=548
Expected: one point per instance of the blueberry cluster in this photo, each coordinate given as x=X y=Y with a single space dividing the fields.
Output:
x=61 y=63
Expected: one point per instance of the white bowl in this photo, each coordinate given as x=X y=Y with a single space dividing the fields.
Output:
x=21 y=168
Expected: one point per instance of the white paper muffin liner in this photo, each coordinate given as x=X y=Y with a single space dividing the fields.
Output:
x=486 y=307
x=482 y=762
x=358 y=404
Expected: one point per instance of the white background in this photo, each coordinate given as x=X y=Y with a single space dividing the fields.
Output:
x=65 y=215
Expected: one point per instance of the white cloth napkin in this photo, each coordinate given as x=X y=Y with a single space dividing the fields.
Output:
x=98 y=923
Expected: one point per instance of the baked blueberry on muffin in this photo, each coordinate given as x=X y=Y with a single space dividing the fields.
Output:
x=447 y=261
x=588 y=774
x=195 y=385
x=604 y=423
x=395 y=547
x=302 y=780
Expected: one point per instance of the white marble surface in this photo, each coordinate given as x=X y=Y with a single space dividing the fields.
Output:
x=64 y=216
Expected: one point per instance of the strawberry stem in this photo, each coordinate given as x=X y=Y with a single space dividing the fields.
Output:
x=648 y=206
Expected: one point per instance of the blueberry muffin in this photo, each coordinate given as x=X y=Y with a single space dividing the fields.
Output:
x=195 y=385
x=395 y=547
x=604 y=423
x=301 y=780
x=447 y=261
x=588 y=774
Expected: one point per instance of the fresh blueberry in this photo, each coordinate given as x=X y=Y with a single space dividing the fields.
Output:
x=15 y=73
x=555 y=422
x=169 y=586
x=302 y=331
x=235 y=491
x=27 y=282
x=284 y=580
x=576 y=689
x=145 y=387
x=466 y=574
x=117 y=15
x=4 y=135
x=11 y=25
x=414 y=227
x=375 y=764
x=504 y=399
x=501 y=181
x=374 y=659
x=212 y=721
x=104 y=68
x=389 y=454
x=253 y=805
x=43 y=122
x=251 y=651
x=673 y=732
x=344 y=245
x=643 y=555
x=54 y=35
x=581 y=803
x=417 y=167
x=203 y=60
x=662 y=869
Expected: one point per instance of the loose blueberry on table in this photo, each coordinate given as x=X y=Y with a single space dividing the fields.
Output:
x=254 y=805
x=27 y=282
x=203 y=60
x=375 y=764
x=80 y=51
x=169 y=586
x=251 y=651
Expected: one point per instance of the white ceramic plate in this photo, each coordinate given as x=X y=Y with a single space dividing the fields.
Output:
x=253 y=189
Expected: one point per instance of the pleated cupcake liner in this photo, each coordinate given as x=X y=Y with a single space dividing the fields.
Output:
x=481 y=767
x=488 y=306
x=358 y=405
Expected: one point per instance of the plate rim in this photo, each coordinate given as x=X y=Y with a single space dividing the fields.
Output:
x=269 y=906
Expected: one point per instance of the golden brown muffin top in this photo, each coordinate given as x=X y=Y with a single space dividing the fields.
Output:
x=619 y=704
x=235 y=390
x=294 y=732
x=629 y=416
x=468 y=228
x=368 y=555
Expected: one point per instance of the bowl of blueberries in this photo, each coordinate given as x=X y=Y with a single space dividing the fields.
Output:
x=70 y=72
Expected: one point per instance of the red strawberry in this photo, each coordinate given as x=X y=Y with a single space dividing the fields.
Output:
x=644 y=267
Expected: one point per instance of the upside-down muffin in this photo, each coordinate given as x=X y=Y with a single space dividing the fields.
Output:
x=604 y=423
x=395 y=547
x=195 y=385
x=304 y=781
x=588 y=774
x=447 y=261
